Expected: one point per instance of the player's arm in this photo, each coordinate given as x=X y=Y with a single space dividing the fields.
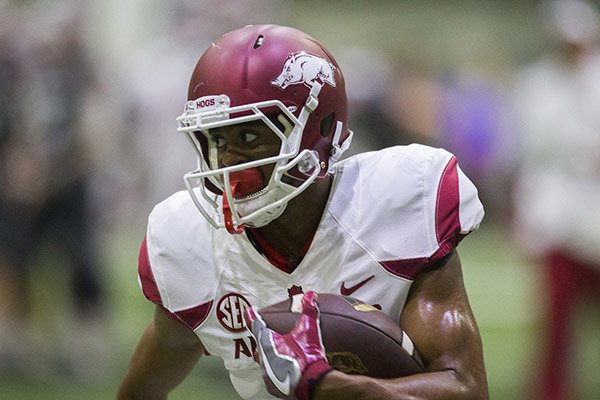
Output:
x=164 y=356
x=439 y=320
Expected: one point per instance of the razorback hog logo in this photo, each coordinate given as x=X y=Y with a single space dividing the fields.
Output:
x=302 y=67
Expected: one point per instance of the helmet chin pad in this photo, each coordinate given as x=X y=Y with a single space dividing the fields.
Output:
x=245 y=182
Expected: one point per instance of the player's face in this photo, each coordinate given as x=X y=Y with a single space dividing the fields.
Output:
x=238 y=144
x=241 y=143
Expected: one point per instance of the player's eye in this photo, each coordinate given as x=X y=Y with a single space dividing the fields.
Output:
x=248 y=137
x=218 y=140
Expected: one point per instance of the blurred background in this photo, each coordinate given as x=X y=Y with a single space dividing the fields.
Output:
x=89 y=95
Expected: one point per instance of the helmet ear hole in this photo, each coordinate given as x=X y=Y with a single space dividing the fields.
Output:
x=326 y=124
x=259 y=42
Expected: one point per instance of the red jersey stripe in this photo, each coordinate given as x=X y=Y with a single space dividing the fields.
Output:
x=194 y=316
x=149 y=287
x=447 y=217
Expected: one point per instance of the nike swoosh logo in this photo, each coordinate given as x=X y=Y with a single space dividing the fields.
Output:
x=279 y=368
x=348 y=291
x=284 y=386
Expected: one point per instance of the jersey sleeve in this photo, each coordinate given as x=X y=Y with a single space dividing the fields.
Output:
x=453 y=204
x=408 y=206
x=146 y=276
x=175 y=270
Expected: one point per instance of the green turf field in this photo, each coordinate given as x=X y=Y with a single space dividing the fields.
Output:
x=502 y=287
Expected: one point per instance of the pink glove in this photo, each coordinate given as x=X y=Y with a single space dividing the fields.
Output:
x=293 y=363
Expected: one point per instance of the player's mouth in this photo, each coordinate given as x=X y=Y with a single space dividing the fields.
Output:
x=246 y=183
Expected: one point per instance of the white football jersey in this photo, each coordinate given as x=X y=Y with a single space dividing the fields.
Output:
x=391 y=214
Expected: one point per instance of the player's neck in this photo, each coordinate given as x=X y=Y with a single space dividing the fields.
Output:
x=297 y=225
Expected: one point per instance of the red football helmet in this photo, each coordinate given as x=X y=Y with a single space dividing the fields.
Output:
x=265 y=73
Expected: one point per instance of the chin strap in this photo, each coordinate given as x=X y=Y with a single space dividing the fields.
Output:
x=338 y=148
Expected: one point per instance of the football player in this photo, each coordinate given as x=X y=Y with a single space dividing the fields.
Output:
x=271 y=210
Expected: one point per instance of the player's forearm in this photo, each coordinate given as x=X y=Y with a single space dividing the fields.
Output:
x=126 y=393
x=136 y=386
x=442 y=385
x=156 y=368
x=151 y=381
x=148 y=380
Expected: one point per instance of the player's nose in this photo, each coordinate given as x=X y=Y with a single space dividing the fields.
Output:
x=233 y=156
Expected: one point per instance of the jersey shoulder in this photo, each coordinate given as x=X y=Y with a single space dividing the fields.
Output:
x=410 y=201
x=393 y=161
x=175 y=267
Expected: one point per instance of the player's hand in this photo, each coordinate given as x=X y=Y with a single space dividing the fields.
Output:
x=293 y=363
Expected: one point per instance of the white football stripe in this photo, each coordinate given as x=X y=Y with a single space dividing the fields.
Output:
x=407 y=344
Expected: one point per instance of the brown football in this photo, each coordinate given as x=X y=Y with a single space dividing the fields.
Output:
x=358 y=338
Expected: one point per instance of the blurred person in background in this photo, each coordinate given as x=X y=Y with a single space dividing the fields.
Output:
x=164 y=60
x=390 y=103
x=557 y=103
x=44 y=193
x=473 y=124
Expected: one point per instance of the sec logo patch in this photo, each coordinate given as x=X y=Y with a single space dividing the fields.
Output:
x=230 y=312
